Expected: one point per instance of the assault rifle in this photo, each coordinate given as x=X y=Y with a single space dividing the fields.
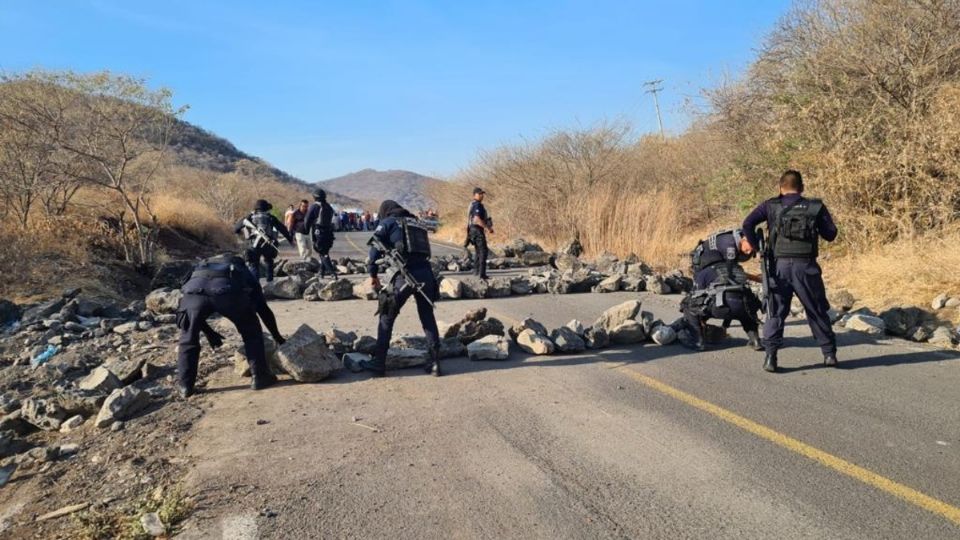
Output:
x=766 y=269
x=254 y=231
x=396 y=260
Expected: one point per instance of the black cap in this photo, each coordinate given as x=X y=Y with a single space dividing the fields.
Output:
x=320 y=195
x=261 y=205
x=478 y=190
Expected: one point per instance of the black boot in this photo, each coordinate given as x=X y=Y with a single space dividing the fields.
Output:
x=770 y=363
x=263 y=381
x=376 y=369
x=753 y=341
x=185 y=391
x=830 y=360
x=433 y=367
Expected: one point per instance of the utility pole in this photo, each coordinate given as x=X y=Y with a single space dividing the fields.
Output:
x=652 y=88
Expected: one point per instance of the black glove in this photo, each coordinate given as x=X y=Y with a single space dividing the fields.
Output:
x=279 y=339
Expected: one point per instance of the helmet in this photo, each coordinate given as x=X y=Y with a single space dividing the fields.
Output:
x=261 y=206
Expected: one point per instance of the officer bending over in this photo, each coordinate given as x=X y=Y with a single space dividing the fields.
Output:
x=796 y=224
x=398 y=230
x=260 y=229
x=223 y=285
x=720 y=288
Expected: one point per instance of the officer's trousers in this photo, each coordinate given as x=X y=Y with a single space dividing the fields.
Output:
x=237 y=308
x=737 y=307
x=424 y=311
x=253 y=256
x=478 y=238
x=804 y=278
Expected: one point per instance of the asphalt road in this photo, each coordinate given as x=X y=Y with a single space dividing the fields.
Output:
x=635 y=442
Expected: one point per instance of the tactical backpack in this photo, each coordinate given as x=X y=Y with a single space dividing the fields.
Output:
x=416 y=240
x=708 y=252
x=794 y=228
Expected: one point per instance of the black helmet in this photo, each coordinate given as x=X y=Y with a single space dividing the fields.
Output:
x=261 y=205
x=320 y=195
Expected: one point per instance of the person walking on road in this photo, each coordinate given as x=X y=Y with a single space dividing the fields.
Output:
x=319 y=224
x=260 y=229
x=795 y=225
x=298 y=227
x=478 y=224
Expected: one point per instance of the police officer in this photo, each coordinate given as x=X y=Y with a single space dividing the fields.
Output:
x=260 y=229
x=795 y=224
x=223 y=285
x=319 y=223
x=720 y=288
x=478 y=224
x=398 y=230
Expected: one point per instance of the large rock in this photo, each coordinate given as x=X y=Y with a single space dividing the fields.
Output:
x=44 y=310
x=451 y=289
x=474 y=315
x=471 y=331
x=9 y=312
x=336 y=290
x=121 y=404
x=306 y=357
x=519 y=246
x=489 y=348
x=567 y=341
x=362 y=289
x=127 y=369
x=940 y=301
x=172 y=274
x=627 y=333
x=365 y=344
x=656 y=285
x=842 y=300
x=596 y=337
x=296 y=268
x=567 y=263
x=46 y=414
x=576 y=326
x=618 y=315
x=403 y=358
x=574 y=248
x=498 y=288
x=339 y=341
x=354 y=361
x=528 y=324
x=521 y=286
x=474 y=288
x=162 y=301
x=536 y=258
x=533 y=343
x=867 y=324
x=100 y=380
x=609 y=285
x=663 y=335
x=287 y=288
x=452 y=348
x=943 y=336
x=677 y=282
x=899 y=321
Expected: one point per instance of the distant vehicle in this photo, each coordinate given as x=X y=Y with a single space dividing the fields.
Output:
x=432 y=224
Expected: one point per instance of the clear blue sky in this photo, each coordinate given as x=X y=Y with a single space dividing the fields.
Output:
x=325 y=88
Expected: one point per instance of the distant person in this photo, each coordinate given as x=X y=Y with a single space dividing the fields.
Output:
x=223 y=285
x=399 y=230
x=795 y=225
x=319 y=223
x=478 y=224
x=260 y=230
x=288 y=218
x=299 y=229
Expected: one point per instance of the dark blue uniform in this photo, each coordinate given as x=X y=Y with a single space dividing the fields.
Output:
x=390 y=233
x=223 y=285
x=477 y=236
x=271 y=226
x=795 y=275
x=319 y=224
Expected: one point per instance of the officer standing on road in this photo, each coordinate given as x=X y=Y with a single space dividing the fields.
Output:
x=478 y=224
x=795 y=224
x=720 y=288
x=319 y=223
x=223 y=285
x=260 y=229
x=399 y=230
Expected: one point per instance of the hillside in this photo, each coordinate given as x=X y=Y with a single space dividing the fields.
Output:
x=372 y=186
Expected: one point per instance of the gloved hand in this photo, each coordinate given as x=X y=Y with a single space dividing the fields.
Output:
x=279 y=339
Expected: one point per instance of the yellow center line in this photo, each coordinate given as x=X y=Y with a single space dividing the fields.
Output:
x=355 y=246
x=912 y=496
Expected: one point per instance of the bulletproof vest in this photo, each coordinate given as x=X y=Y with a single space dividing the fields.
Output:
x=214 y=276
x=415 y=238
x=264 y=222
x=324 y=223
x=794 y=228
x=716 y=249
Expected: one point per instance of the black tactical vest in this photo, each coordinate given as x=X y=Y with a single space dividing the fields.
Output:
x=716 y=248
x=793 y=232
x=415 y=238
x=215 y=276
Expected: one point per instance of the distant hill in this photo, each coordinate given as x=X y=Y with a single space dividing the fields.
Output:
x=371 y=186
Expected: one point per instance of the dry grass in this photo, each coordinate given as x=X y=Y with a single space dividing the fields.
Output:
x=194 y=218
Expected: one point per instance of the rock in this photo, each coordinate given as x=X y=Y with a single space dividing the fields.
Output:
x=6 y=472
x=287 y=288
x=241 y=367
x=163 y=301
x=66 y=450
x=16 y=423
x=952 y=302
x=920 y=334
x=9 y=312
x=365 y=344
x=125 y=328
x=567 y=263
x=567 y=341
x=536 y=258
x=339 y=341
x=410 y=342
x=519 y=246
x=627 y=333
x=336 y=290
x=126 y=369
x=617 y=315
x=305 y=356
x=900 y=320
x=43 y=310
x=596 y=338
x=475 y=315
x=452 y=348
x=528 y=324
x=46 y=414
x=647 y=321
x=942 y=337
x=10 y=445
x=609 y=285
x=405 y=358
x=520 y=286
x=152 y=525
x=574 y=248
x=121 y=404
x=940 y=301
x=842 y=300
x=576 y=326
x=489 y=348
x=533 y=343
x=353 y=361
x=150 y=371
x=100 y=380
x=677 y=282
x=71 y=423
x=296 y=268
x=633 y=284
x=472 y=331
x=663 y=335
x=474 y=288
x=362 y=289
x=498 y=288
x=866 y=324
x=451 y=289
x=656 y=285
x=172 y=274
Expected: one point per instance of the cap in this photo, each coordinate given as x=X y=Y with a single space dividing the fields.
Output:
x=478 y=190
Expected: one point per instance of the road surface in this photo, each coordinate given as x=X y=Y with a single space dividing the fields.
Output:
x=634 y=442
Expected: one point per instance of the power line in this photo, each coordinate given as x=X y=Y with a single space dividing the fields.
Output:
x=653 y=87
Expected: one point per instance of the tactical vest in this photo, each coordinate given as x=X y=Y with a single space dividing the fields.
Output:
x=215 y=276
x=716 y=249
x=415 y=238
x=794 y=231
x=264 y=223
